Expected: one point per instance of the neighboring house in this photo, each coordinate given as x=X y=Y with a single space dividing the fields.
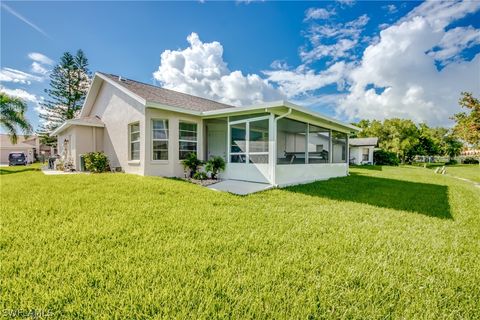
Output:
x=148 y=130
x=30 y=146
x=361 y=150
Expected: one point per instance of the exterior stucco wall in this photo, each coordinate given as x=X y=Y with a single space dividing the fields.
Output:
x=173 y=166
x=258 y=172
x=68 y=135
x=117 y=110
x=303 y=173
x=86 y=141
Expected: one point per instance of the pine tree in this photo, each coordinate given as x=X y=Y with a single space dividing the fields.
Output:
x=69 y=83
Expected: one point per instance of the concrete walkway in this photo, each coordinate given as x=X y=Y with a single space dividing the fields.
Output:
x=239 y=187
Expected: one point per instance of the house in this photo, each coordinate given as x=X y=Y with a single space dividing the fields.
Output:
x=361 y=150
x=30 y=146
x=148 y=130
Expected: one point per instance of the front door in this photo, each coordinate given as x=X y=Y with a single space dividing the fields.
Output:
x=217 y=143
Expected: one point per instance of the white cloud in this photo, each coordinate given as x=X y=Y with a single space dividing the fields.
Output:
x=391 y=8
x=346 y=2
x=200 y=70
x=409 y=83
x=17 y=76
x=318 y=13
x=336 y=51
x=19 y=93
x=294 y=83
x=440 y=14
x=38 y=68
x=346 y=36
x=454 y=41
x=40 y=58
x=40 y=63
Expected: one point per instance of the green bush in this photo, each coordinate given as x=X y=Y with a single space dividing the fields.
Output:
x=96 y=162
x=214 y=166
x=200 y=175
x=470 y=160
x=383 y=157
x=192 y=163
x=451 y=162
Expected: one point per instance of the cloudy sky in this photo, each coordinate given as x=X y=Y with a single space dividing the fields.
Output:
x=348 y=59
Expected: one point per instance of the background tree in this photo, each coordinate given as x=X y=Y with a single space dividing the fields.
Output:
x=404 y=138
x=69 y=82
x=453 y=146
x=467 y=125
x=12 y=116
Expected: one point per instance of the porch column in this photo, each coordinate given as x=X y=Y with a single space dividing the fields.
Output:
x=272 y=147
x=330 y=147
x=347 y=152
x=306 y=142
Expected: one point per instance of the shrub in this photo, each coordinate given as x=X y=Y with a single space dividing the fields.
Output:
x=200 y=175
x=214 y=166
x=96 y=162
x=192 y=163
x=383 y=157
x=470 y=160
x=451 y=162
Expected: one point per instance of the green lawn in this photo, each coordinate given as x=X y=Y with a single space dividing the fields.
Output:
x=382 y=243
x=467 y=171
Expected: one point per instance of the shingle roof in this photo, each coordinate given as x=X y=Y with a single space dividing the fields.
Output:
x=166 y=96
x=359 y=142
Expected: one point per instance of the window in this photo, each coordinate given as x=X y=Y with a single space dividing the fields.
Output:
x=249 y=141
x=339 y=147
x=365 y=153
x=187 y=139
x=258 y=141
x=238 y=146
x=318 y=144
x=291 y=141
x=134 y=137
x=159 y=139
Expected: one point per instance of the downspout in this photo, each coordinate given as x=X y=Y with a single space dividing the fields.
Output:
x=274 y=164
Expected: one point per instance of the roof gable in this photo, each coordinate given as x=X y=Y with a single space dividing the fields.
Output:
x=162 y=96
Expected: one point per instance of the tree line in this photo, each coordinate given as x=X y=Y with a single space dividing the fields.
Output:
x=407 y=139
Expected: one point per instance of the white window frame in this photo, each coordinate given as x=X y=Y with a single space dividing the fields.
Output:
x=365 y=154
x=152 y=139
x=130 y=132
x=247 y=152
x=183 y=140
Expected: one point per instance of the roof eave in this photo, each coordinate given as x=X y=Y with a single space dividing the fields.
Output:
x=155 y=105
x=282 y=103
x=75 y=122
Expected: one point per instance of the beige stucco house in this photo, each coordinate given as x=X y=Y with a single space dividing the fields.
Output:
x=28 y=145
x=148 y=130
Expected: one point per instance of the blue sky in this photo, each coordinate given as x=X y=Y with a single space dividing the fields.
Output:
x=330 y=56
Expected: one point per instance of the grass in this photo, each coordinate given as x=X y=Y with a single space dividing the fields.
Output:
x=466 y=171
x=386 y=243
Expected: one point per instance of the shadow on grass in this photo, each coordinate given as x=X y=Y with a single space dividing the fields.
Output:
x=12 y=170
x=423 y=198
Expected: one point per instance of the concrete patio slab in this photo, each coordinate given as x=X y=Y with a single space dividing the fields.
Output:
x=50 y=172
x=239 y=187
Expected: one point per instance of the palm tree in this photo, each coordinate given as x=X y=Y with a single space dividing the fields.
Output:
x=12 y=116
